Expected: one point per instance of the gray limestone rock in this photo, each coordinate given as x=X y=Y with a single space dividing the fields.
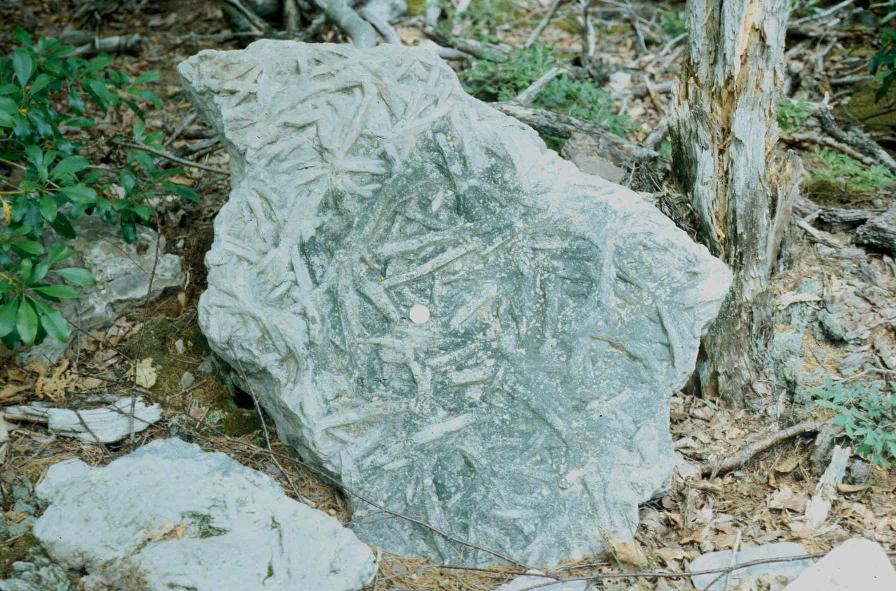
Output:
x=171 y=516
x=437 y=309
x=122 y=272
x=36 y=574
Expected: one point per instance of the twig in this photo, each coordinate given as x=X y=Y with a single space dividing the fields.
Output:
x=747 y=453
x=533 y=36
x=589 y=38
x=140 y=338
x=813 y=138
x=255 y=22
x=864 y=145
x=561 y=125
x=380 y=24
x=267 y=435
x=116 y=44
x=821 y=15
x=431 y=18
x=291 y=16
x=187 y=121
x=173 y=158
x=92 y=434
x=344 y=16
x=526 y=97
x=685 y=574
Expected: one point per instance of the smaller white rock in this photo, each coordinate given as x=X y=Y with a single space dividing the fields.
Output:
x=177 y=517
x=186 y=381
x=96 y=425
x=723 y=558
x=525 y=582
x=854 y=565
x=179 y=346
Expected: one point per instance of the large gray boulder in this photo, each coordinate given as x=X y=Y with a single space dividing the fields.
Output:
x=438 y=310
x=171 y=516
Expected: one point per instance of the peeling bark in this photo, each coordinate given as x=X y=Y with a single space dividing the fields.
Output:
x=740 y=187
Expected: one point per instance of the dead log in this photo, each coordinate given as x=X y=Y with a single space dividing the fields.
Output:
x=880 y=232
x=741 y=189
x=563 y=126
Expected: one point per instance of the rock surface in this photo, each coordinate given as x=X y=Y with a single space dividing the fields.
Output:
x=525 y=582
x=122 y=272
x=171 y=516
x=437 y=309
x=106 y=424
x=854 y=565
x=722 y=559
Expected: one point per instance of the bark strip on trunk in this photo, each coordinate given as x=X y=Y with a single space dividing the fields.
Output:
x=740 y=187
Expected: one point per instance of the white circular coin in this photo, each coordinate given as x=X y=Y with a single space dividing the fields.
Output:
x=419 y=314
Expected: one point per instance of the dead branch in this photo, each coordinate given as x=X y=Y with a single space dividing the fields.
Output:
x=806 y=137
x=173 y=158
x=560 y=125
x=528 y=95
x=380 y=24
x=533 y=36
x=853 y=138
x=291 y=16
x=747 y=453
x=115 y=44
x=350 y=22
x=240 y=12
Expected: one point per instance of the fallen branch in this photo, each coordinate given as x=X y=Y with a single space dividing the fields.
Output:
x=116 y=44
x=853 y=139
x=533 y=36
x=481 y=49
x=747 y=453
x=350 y=22
x=173 y=158
x=380 y=24
x=239 y=11
x=526 y=97
x=563 y=126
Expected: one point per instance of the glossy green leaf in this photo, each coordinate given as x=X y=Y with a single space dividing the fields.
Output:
x=55 y=324
x=76 y=275
x=61 y=292
x=8 y=317
x=23 y=65
x=26 y=321
x=69 y=165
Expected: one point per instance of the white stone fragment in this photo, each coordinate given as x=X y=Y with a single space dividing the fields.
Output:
x=96 y=425
x=175 y=517
x=826 y=490
x=723 y=559
x=854 y=565
x=542 y=584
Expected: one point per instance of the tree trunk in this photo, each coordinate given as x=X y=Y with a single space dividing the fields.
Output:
x=740 y=187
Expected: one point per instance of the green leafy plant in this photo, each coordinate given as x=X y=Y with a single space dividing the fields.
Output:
x=836 y=168
x=792 y=113
x=48 y=100
x=867 y=415
x=673 y=22
x=883 y=63
x=502 y=80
